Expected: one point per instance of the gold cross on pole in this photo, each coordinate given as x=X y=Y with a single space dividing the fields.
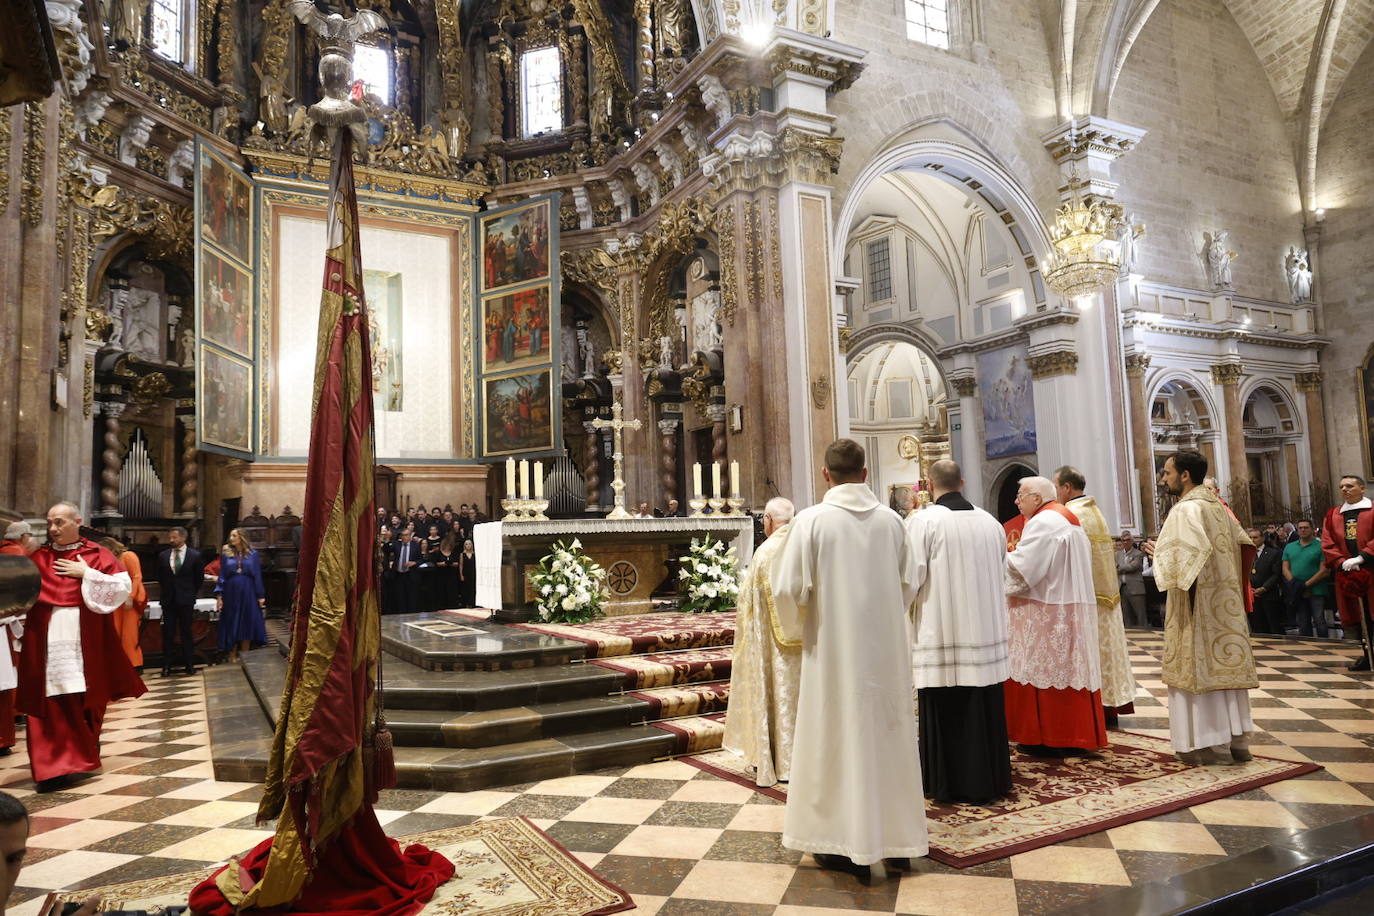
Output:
x=617 y=425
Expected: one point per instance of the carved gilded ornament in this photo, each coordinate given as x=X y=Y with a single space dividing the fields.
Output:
x=908 y=447
x=1228 y=373
x=615 y=362
x=820 y=391
x=150 y=388
x=1136 y=364
x=846 y=339
x=1048 y=365
x=1309 y=381
x=725 y=234
x=98 y=324
x=965 y=386
x=6 y=143
x=167 y=228
x=35 y=153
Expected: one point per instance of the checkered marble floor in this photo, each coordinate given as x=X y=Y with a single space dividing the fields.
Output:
x=682 y=841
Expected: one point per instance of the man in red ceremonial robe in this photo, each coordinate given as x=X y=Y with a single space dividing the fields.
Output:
x=1348 y=549
x=1054 y=695
x=73 y=664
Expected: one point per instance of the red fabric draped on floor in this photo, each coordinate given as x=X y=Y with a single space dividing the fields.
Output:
x=1055 y=718
x=369 y=875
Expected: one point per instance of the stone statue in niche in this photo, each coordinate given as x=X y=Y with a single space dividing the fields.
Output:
x=706 y=321
x=665 y=352
x=588 y=354
x=1218 y=257
x=1129 y=231
x=569 y=343
x=1299 y=273
x=142 y=323
x=116 y=308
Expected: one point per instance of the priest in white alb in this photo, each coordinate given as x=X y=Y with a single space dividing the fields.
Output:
x=960 y=658
x=845 y=581
x=1208 y=664
x=1054 y=695
x=766 y=668
x=1118 y=684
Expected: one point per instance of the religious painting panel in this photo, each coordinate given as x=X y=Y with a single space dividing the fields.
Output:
x=516 y=330
x=1008 y=402
x=226 y=303
x=517 y=244
x=1365 y=385
x=224 y=205
x=383 y=290
x=224 y=389
x=519 y=414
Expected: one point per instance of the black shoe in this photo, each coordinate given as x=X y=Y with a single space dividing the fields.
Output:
x=899 y=864
x=6 y=751
x=1359 y=664
x=166 y=671
x=52 y=785
x=833 y=862
x=188 y=671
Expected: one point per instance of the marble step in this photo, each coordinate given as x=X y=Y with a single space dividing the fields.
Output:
x=489 y=728
x=450 y=642
x=241 y=741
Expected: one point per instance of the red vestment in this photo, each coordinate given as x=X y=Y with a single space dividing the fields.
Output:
x=64 y=731
x=7 y=697
x=1335 y=552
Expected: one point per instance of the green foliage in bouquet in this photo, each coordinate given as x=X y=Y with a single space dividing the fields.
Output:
x=709 y=577
x=570 y=586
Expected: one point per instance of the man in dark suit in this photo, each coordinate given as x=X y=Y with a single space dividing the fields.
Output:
x=179 y=571
x=1266 y=581
x=405 y=557
x=1130 y=567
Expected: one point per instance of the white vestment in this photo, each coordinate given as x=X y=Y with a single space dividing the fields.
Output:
x=764 y=674
x=961 y=605
x=845 y=580
x=103 y=593
x=1053 y=625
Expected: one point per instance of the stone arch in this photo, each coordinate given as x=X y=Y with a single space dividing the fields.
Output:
x=969 y=166
x=873 y=335
x=1277 y=397
x=1005 y=483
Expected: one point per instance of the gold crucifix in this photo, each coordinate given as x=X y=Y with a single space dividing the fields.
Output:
x=617 y=425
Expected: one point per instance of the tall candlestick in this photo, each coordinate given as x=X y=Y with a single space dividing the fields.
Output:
x=715 y=479
x=510 y=477
x=524 y=478
x=539 y=480
x=734 y=478
x=696 y=479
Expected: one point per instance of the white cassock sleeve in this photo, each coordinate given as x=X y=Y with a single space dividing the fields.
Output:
x=793 y=580
x=918 y=548
x=913 y=569
x=1030 y=562
x=105 y=593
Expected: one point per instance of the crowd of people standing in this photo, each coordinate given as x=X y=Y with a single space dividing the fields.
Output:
x=427 y=558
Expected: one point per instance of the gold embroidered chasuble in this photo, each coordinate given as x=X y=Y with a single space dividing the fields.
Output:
x=1198 y=565
x=764 y=675
x=1118 y=684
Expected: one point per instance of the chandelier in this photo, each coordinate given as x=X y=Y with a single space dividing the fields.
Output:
x=1081 y=264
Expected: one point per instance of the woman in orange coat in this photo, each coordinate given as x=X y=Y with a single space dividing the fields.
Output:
x=129 y=618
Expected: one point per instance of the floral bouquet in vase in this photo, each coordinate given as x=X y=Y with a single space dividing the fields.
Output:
x=570 y=586
x=709 y=577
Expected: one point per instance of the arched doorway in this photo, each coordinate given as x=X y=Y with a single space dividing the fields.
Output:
x=1007 y=489
x=896 y=394
x=1180 y=417
x=1272 y=436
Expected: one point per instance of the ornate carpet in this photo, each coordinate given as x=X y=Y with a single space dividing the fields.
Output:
x=637 y=634
x=688 y=700
x=667 y=669
x=505 y=867
x=1137 y=777
x=699 y=735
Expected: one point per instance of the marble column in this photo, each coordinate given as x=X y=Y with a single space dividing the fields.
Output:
x=592 y=475
x=1310 y=384
x=1236 y=490
x=970 y=445
x=1142 y=449
x=667 y=432
x=111 y=460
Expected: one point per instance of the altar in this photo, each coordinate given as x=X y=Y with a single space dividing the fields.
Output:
x=635 y=552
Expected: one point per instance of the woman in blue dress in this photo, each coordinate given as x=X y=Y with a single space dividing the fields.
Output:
x=240 y=597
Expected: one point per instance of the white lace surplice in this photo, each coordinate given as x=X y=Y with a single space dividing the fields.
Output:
x=1053 y=620
x=103 y=593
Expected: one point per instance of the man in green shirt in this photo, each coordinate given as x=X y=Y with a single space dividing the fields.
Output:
x=1306 y=575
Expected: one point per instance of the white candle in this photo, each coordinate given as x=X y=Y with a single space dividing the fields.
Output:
x=734 y=479
x=539 y=480
x=696 y=479
x=715 y=479
x=510 y=477
x=524 y=479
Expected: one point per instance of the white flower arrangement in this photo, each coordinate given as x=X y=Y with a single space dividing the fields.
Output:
x=570 y=585
x=709 y=577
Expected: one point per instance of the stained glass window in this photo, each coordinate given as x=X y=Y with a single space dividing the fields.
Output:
x=541 y=91
x=372 y=65
x=168 y=17
x=927 y=21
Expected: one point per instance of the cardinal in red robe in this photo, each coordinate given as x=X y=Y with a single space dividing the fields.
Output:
x=1348 y=550
x=1054 y=694
x=72 y=664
